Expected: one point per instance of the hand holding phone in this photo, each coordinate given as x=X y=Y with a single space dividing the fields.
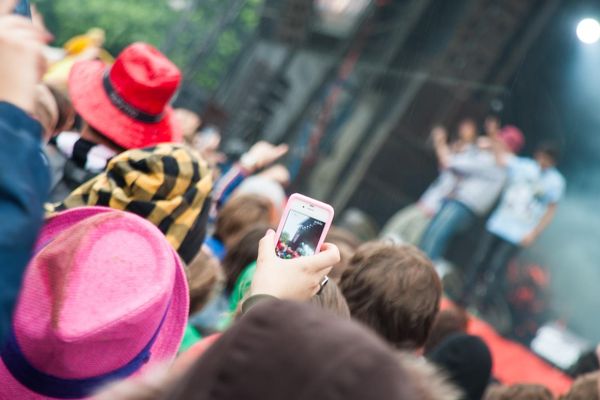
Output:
x=296 y=279
x=303 y=227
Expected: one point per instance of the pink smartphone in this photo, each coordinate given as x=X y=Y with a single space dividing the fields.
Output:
x=303 y=227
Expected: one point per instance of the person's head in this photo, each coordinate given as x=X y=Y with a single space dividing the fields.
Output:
x=347 y=243
x=519 y=392
x=241 y=254
x=547 y=155
x=189 y=122
x=128 y=103
x=467 y=130
x=239 y=214
x=104 y=298
x=468 y=362
x=265 y=187
x=511 y=138
x=284 y=350
x=205 y=277
x=584 y=388
x=394 y=290
x=332 y=299
x=168 y=184
x=447 y=322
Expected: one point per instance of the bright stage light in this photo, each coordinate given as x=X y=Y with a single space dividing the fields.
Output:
x=588 y=30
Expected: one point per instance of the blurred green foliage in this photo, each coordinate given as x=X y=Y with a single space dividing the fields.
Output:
x=177 y=27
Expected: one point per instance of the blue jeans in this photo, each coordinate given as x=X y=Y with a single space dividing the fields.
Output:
x=453 y=218
x=489 y=264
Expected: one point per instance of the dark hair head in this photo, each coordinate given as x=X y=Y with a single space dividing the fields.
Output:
x=394 y=290
x=447 y=322
x=550 y=149
x=241 y=213
x=242 y=253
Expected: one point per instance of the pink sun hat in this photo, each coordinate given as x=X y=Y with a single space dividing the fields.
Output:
x=104 y=297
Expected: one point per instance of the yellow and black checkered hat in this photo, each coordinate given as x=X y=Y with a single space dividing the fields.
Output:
x=169 y=185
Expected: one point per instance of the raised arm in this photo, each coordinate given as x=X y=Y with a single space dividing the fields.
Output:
x=440 y=144
x=24 y=178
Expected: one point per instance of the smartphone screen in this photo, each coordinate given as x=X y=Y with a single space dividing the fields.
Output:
x=300 y=235
x=23 y=8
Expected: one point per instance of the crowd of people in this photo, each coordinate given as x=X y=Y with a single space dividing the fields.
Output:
x=140 y=263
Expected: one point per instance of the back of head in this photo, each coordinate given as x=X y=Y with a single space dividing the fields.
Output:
x=241 y=254
x=241 y=213
x=468 y=362
x=447 y=322
x=168 y=185
x=524 y=392
x=550 y=150
x=284 y=350
x=394 y=290
x=586 y=387
x=205 y=279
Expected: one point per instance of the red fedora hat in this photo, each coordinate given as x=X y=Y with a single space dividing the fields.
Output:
x=128 y=103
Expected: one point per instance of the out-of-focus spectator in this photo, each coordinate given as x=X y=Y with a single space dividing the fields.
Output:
x=468 y=362
x=123 y=107
x=586 y=387
x=447 y=322
x=189 y=123
x=24 y=178
x=299 y=337
x=239 y=214
x=168 y=184
x=105 y=297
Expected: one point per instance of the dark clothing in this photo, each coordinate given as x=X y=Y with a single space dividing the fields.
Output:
x=467 y=361
x=453 y=218
x=66 y=175
x=284 y=350
x=24 y=185
x=490 y=261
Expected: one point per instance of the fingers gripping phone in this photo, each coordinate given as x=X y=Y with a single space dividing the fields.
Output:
x=303 y=227
x=23 y=8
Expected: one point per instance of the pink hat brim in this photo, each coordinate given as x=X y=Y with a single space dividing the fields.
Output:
x=169 y=339
x=90 y=100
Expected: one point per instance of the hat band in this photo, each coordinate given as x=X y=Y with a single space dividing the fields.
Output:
x=52 y=386
x=126 y=108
